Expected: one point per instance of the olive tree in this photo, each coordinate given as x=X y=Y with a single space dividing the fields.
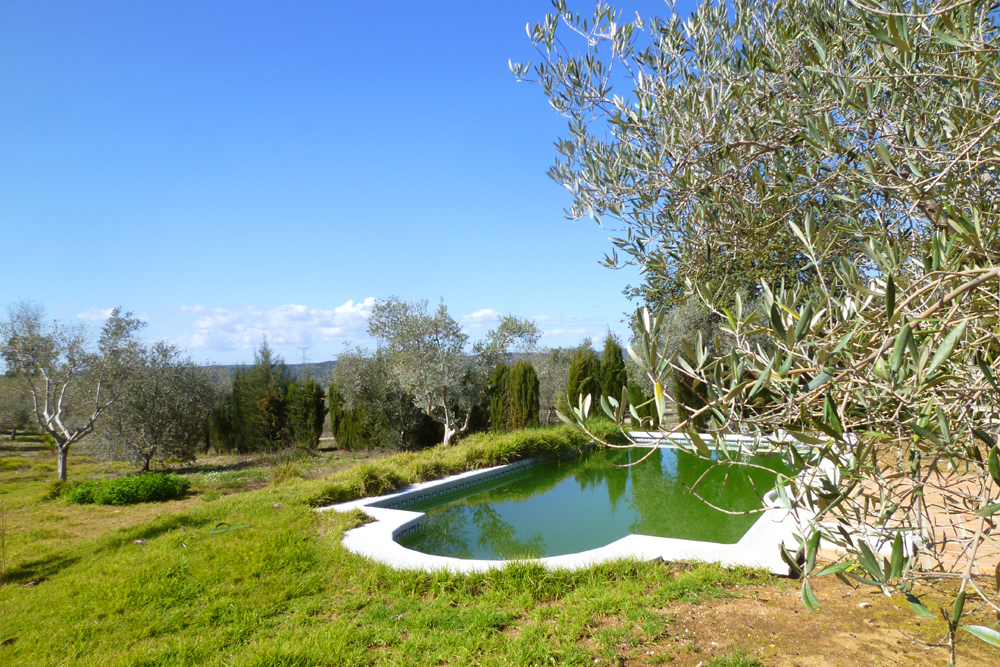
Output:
x=15 y=405
x=71 y=380
x=373 y=408
x=162 y=410
x=428 y=356
x=552 y=366
x=867 y=137
x=511 y=335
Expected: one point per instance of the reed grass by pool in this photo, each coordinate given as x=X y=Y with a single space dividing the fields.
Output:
x=564 y=508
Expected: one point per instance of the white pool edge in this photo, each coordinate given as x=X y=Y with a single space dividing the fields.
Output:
x=758 y=548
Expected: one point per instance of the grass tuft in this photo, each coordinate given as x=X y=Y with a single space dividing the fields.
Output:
x=738 y=659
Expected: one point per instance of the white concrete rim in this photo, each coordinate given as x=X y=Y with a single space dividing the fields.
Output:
x=758 y=548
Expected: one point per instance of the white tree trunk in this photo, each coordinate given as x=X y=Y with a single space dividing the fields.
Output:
x=63 y=453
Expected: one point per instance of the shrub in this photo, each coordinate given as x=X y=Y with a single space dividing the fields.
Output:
x=148 y=487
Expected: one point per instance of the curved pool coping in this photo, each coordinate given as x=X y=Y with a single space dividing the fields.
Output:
x=376 y=540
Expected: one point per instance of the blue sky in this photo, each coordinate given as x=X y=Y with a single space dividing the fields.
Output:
x=230 y=170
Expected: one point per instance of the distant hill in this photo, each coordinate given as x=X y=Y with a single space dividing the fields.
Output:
x=321 y=371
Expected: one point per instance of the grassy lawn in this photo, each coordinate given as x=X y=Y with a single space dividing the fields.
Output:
x=243 y=571
x=152 y=584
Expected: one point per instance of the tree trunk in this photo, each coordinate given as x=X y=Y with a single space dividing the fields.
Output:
x=13 y=433
x=448 y=433
x=63 y=453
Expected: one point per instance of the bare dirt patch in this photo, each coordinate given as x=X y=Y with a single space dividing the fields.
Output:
x=853 y=628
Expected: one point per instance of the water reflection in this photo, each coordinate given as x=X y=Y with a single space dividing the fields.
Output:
x=566 y=508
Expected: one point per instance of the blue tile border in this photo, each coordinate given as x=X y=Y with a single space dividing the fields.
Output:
x=407 y=499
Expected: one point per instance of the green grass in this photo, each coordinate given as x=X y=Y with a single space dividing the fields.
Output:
x=481 y=450
x=152 y=585
x=738 y=659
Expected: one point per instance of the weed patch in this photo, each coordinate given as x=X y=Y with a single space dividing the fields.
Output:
x=148 y=487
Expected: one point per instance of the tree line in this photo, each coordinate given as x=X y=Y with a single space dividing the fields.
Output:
x=150 y=404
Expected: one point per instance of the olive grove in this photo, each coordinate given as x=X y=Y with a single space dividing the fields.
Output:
x=866 y=138
x=71 y=380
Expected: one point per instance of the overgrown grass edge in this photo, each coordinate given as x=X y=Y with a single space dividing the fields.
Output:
x=481 y=450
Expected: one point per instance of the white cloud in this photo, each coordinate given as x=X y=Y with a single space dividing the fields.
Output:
x=571 y=329
x=480 y=318
x=243 y=328
x=95 y=314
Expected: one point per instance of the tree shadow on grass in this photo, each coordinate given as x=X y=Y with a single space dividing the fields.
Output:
x=152 y=530
x=17 y=447
x=38 y=569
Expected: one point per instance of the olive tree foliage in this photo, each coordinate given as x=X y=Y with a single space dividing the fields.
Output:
x=373 y=409
x=428 y=357
x=15 y=405
x=552 y=367
x=833 y=124
x=162 y=411
x=427 y=353
x=71 y=380
x=512 y=335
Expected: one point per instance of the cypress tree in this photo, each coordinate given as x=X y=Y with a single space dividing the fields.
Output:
x=346 y=425
x=306 y=413
x=613 y=373
x=522 y=392
x=335 y=403
x=584 y=379
x=254 y=417
x=352 y=433
x=498 y=398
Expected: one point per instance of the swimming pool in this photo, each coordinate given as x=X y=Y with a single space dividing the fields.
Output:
x=562 y=508
x=396 y=521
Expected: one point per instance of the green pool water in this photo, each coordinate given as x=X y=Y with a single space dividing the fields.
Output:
x=564 y=508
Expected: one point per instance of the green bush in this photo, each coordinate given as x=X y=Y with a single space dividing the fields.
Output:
x=148 y=487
